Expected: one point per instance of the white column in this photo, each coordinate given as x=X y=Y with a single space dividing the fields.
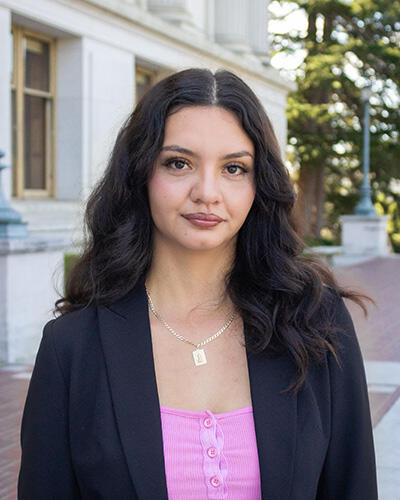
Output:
x=5 y=96
x=191 y=15
x=232 y=23
x=175 y=11
x=70 y=159
x=210 y=19
x=138 y=3
x=258 y=29
x=95 y=94
x=108 y=99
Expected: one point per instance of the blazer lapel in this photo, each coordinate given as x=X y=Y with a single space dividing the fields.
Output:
x=126 y=340
x=275 y=422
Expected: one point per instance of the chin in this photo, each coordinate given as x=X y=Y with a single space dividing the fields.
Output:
x=204 y=244
x=201 y=246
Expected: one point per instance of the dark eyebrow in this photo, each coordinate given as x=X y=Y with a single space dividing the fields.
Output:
x=179 y=149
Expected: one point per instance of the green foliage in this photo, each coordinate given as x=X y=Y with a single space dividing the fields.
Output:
x=313 y=242
x=348 y=45
x=69 y=262
x=389 y=205
x=395 y=238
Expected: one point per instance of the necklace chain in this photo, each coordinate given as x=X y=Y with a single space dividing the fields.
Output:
x=181 y=337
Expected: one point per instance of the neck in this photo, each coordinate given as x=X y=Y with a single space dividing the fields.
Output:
x=189 y=284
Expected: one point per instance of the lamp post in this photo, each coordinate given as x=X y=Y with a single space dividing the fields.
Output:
x=11 y=225
x=365 y=206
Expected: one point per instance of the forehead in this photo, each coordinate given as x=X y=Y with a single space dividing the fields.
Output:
x=208 y=127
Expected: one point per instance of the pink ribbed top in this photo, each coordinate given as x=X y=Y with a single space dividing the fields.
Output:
x=210 y=456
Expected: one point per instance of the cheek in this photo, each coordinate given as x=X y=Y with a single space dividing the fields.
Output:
x=166 y=199
x=159 y=193
x=251 y=194
x=243 y=200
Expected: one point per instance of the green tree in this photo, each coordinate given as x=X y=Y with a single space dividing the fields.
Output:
x=346 y=45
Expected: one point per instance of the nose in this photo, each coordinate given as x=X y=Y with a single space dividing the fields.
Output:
x=206 y=187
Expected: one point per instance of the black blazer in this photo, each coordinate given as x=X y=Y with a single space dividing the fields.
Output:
x=91 y=426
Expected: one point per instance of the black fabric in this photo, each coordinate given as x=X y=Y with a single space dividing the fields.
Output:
x=91 y=426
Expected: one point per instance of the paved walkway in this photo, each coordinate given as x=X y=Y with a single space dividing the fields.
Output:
x=379 y=337
x=14 y=381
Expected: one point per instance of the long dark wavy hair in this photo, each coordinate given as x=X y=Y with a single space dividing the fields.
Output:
x=281 y=294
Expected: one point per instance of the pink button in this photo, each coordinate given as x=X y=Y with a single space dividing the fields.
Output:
x=212 y=452
x=215 y=481
x=207 y=422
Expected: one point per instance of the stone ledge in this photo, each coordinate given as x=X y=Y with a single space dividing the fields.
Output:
x=37 y=243
x=324 y=250
x=365 y=218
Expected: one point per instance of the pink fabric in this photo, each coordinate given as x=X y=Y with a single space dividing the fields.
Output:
x=210 y=456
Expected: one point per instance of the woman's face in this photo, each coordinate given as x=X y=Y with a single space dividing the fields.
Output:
x=205 y=169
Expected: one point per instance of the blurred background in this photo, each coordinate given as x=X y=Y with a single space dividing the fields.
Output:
x=327 y=73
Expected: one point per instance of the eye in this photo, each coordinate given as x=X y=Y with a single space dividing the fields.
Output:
x=243 y=170
x=179 y=163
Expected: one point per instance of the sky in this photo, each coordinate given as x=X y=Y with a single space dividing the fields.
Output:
x=292 y=19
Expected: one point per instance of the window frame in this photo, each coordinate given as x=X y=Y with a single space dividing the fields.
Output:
x=144 y=71
x=18 y=86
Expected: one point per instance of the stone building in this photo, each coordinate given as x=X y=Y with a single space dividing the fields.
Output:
x=70 y=73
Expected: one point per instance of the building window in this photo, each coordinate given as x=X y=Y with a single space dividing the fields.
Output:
x=32 y=112
x=145 y=79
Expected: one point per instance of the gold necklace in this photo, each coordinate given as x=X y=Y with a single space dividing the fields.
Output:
x=199 y=356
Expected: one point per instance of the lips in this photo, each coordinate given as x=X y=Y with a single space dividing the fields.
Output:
x=203 y=216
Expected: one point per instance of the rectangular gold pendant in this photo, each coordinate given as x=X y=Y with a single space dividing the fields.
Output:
x=199 y=357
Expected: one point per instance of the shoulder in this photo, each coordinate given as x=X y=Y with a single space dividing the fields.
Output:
x=343 y=361
x=71 y=331
x=70 y=323
x=341 y=321
x=71 y=344
x=346 y=365
x=334 y=309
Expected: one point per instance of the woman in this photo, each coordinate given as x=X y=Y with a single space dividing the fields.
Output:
x=198 y=354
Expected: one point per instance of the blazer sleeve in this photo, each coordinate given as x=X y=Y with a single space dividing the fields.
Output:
x=349 y=471
x=46 y=469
